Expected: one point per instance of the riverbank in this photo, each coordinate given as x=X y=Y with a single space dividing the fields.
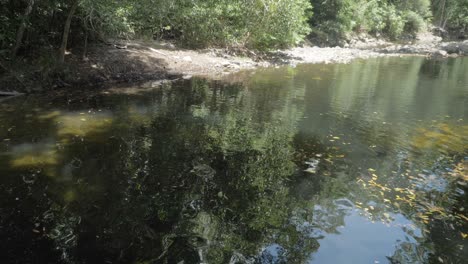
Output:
x=136 y=61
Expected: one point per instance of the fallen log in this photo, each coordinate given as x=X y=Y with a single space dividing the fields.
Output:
x=5 y=96
x=2 y=93
x=4 y=99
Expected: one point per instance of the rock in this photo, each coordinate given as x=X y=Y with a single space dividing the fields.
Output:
x=450 y=47
x=120 y=46
x=456 y=47
x=440 y=54
x=464 y=47
x=187 y=59
x=438 y=31
x=234 y=66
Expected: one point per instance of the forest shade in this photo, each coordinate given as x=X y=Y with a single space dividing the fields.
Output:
x=259 y=24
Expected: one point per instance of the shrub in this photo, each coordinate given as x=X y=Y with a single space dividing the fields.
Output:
x=420 y=7
x=388 y=17
x=414 y=22
x=283 y=23
x=457 y=15
x=395 y=23
x=198 y=23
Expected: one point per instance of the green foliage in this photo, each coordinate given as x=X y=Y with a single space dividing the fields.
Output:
x=257 y=24
x=285 y=23
x=451 y=14
x=106 y=17
x=9 y=20
x=390 y=18
x=414 y=22
x=420 y=7
x=369 y=17
x=332 y=18
x=395 y=23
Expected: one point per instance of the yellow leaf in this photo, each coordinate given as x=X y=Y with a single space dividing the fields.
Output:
x=463 y=217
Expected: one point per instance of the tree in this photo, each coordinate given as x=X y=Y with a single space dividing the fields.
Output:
x=22 y=27
x=66 y=31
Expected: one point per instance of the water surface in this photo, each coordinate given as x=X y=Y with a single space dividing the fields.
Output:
x=358 y=163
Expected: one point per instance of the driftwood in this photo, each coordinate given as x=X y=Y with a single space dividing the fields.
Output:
x=159 y=52
x=2 y=93
x=5 y=98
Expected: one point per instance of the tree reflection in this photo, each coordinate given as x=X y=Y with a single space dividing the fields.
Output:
x=208 y=172
x=199 y=182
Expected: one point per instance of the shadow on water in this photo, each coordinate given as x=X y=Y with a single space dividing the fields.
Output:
x=314 y=164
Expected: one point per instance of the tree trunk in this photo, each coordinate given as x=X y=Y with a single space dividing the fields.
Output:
x=22 y=27
x=85 y=48
x=66 y=31
x=442 y=16
x=86 y=33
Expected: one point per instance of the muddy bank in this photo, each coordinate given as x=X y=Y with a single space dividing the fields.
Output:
x=134 y=62
x=102 y=65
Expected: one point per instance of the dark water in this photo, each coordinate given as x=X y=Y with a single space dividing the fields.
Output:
x=358 y=163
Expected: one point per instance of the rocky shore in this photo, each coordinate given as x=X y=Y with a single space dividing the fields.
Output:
x=441 y=49
x=132 y=62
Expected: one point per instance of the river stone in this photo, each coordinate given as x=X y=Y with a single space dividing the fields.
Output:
x=440 y=53
x=456 y=47
x=464 y=47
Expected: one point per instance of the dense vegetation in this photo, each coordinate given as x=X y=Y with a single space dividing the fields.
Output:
x=391 y=18
x=259 y=24
x=451 y=14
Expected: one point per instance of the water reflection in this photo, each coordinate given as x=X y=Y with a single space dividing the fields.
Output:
x=395 y=241
x=316 y=164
